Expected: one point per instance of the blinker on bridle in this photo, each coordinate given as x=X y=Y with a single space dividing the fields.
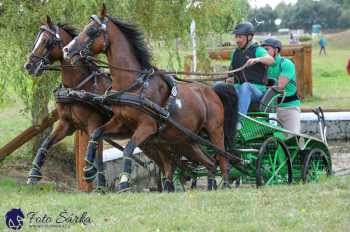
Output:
x=56 y=39
x=93 y=33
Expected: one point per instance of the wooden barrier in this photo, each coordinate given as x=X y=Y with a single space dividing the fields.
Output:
x=81 y=140
x=28 y=134
x=301 y=55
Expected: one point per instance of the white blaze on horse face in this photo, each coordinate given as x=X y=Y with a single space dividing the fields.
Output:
x=39 y=41
x=178 y=103
x=66 y=49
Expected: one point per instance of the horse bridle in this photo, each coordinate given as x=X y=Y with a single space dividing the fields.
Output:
x=84 y=49
x=50 y=43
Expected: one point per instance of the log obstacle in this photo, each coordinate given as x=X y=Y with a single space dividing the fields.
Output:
x=81 y=140
x=301 y=55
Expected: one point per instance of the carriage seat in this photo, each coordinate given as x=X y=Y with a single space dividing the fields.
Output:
x=267 y=103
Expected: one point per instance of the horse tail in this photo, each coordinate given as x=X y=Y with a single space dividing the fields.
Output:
x=229 y=98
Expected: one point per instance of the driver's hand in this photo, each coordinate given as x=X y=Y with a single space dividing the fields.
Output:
x=253 y=61
x=230 y=80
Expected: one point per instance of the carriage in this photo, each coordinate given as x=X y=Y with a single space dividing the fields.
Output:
x=271 y=154
x=261 y=153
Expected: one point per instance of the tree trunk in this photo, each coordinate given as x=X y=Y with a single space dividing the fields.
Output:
x=39 y=110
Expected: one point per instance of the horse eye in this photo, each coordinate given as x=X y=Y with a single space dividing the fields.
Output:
x=92 y=31
x=49 y=43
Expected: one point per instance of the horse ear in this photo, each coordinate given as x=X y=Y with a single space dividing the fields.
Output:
x=49 y=21
x=103 y=11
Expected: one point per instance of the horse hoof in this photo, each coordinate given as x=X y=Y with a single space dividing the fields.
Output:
x=99 y=190
x=226 y=185
x=194 y=184
x=212 y=185
x=123 y=187
x=34 y=176
x=90 y=173
x=168 y=186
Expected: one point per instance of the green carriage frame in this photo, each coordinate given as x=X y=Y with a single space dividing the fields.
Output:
x=271 y=154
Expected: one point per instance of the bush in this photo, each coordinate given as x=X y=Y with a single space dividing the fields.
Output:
x=305 y=38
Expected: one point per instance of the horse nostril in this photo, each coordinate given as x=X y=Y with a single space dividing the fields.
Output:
x=66 y=50
x=28 y=66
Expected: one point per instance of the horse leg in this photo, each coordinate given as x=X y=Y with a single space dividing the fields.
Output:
x=100 y=178
x=167 y=164
x=143 y=131
x=216 y=136
x=208 y=162
x=151 y=151
x=90 y=170
x=59 y=133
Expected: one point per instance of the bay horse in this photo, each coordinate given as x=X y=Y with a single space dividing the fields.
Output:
x=197 y=107
x=73 y=115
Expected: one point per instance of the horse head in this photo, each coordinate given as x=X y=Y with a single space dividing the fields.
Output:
x=92 y=40
x=47 y=47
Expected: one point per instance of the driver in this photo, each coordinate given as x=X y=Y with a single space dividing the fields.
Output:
x=283 y=73
x=251 y=80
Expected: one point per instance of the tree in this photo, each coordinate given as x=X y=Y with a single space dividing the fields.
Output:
x=266 y=15
x=160 y=19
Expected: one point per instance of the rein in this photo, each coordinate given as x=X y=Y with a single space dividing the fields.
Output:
x=162 y=72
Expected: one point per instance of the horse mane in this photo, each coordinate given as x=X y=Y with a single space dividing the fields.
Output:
x=72 y=31
x=136 y=40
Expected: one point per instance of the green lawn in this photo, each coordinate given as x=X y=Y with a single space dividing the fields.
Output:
x=331 y=83
x=312 y=207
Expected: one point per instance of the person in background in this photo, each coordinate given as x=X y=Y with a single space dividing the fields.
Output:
x=293 y=40
x=283 y=73
x=323 y=43
x=251 y=80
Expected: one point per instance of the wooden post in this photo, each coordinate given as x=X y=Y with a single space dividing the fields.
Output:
x=308 y=69
x=81 y=142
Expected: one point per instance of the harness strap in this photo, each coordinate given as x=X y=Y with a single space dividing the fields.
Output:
x=288 y=99
x=160 y=113
x=81 y=84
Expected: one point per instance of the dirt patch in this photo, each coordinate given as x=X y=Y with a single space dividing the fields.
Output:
x=59 y=169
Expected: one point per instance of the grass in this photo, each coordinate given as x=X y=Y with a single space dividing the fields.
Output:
x=311 y=207
x=330 y=80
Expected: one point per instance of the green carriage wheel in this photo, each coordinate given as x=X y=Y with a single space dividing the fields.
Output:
x=316 y=165
x=274 y=165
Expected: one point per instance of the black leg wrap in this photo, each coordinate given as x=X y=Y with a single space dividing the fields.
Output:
x=127 y=165
x=226 y=183
x=100 y=183
x=168 y=186
x=34 y=174
x=128 y=151
x=123 y=187
x=194 y=184
x=90 y=169
x=101 y=180
x=212 y=185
